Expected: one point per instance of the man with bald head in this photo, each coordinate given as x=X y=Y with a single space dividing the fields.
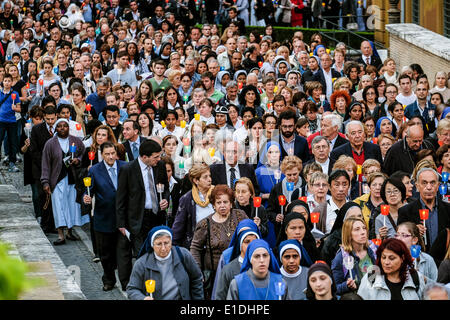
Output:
x=367 y=57
x=402 y=155
x=229 y=171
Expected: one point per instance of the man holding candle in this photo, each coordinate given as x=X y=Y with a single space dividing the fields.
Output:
x=137 y=207
x=62 y=153
x=8 y=122
x=103 y=187
x=438 y=211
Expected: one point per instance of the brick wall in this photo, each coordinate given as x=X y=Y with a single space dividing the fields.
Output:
x=406 y=53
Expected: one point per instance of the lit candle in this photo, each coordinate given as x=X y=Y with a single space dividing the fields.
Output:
x=87 y=184
x=257 y=204
x=73 y=149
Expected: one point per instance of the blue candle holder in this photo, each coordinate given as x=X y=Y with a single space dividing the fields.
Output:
x=445 y=177
x=443 y=189
x=290 y=186
x=415 y=251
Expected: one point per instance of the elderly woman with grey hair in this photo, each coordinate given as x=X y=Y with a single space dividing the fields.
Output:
x=436 y=291
x=173 y=270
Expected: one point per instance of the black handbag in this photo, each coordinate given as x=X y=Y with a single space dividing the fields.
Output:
x=208 y=274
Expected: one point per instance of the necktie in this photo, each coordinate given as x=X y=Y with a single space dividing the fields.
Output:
x=367 y=61
x=135 y=151
x=113 y=177
x=151 y=184
x=50 y=131
x=232 y=177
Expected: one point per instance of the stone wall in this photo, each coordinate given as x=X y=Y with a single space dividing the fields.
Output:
x=410 y=43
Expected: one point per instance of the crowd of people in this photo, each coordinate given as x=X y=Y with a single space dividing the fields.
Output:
x=215 y=164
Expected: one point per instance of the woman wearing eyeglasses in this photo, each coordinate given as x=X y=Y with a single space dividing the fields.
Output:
x=410 y=235
x=393 y=193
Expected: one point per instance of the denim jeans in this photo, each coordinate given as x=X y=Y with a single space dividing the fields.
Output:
x=11 y=129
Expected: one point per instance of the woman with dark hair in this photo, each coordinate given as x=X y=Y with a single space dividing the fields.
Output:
x=332 y=241
x=254 y=141
x=321 y=285
x=369 y=127
x=380 y=86
x=145 y=93
x=397 y=279
x=201 y=67
x=390 y=91
x=214 y=232
x=397 y=113
x=393 y=193
x=417 y=70
x=171 y=100
x=370 y=98
x=354 y=112
x=351 y=70
x=443 y=157
x=249 y=97
x=145 y=124
x=137 y=64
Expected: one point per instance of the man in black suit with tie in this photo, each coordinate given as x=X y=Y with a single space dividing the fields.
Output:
x=103 y=188
x=232 y=17
x=290 y=142
x=367 y=57
x=40 y=134
x=357 y=147
x=138 y=209
x=326 y=74
x=438 y=211
x=133 y=139
x=230 y=171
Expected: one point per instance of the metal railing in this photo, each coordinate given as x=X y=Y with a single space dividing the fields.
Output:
x=331 y=35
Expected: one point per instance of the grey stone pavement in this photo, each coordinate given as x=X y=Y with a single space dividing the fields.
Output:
x=76 y=255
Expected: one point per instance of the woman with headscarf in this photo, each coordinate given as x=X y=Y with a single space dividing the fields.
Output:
x=295 y=226
x=321 y=285
x=313 y=67
x=231 y=260
x=240 y=76
x=355 y=244
x=293 y=273
x=173 y=269
x=260 y=276
x=282 y=68
x=332 y=241
x=385 y=125
x=218 y=84
x=164 y=52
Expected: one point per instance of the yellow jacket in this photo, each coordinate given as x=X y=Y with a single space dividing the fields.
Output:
x=366 y=211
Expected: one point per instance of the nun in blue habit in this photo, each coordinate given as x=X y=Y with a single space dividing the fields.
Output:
x=260 y=277
x=232 y=258
x=293 y=273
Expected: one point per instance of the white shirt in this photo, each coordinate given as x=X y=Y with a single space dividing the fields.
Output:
x=331 y=215
x=365 y=59
x=144 y=172
x=324 y=165
x=329 y=82
x=406 y=100
x=109 y=171
x=332 y=142
x=177 y=132
x=236 y=173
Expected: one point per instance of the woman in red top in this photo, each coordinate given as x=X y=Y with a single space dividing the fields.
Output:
x=297 y=18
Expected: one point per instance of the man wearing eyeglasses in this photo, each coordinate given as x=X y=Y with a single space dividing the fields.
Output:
x=439 y=211
x=321 y=151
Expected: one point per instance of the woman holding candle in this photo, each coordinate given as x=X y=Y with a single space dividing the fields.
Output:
x=356 y=245
x=393 y=193
x=101 y=134
x=214 y=232
x=61 y=155
x=193 y=206
x=397 y=279
x=175 y=274
x=78 y=95
x=410 y=235
x=247 y=201
x=373 y=199
x=47 y=78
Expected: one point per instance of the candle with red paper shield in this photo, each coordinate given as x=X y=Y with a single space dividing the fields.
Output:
x=282 y=200
x=260 y=64
x=41 y=82
x=13 y=96
x=377 y=242
x=256 y=204
x=424 y=214
x=28 y=85
x=88 y=108
x=240 y=85
x=304 y=199
x=78 y=126
x=384 y=211
x=91 y=155
x=315 y=217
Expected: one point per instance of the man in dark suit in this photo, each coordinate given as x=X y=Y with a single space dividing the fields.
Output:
x=356 y=147
x=232 y=17
x=367 y=57
x=321 y=152
x=439 y=211
x=103 y=188
x=326 y=74
x=330 y=126
x=133 y=139
x=138 y=209
x=116 y=9
x=290 y=142
x=230 y=171
x=40 y=134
